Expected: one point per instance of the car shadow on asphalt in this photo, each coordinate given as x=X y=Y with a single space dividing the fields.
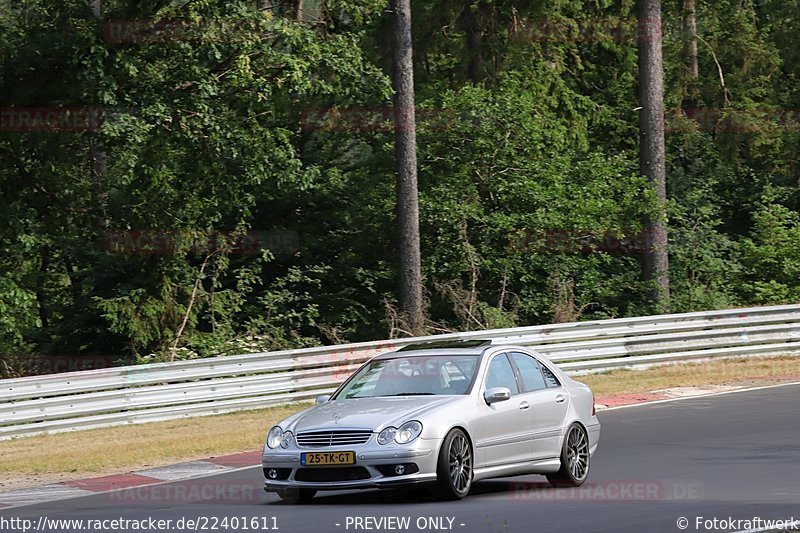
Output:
x=423 y=494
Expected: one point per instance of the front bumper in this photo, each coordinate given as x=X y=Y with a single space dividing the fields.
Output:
x=422 y=453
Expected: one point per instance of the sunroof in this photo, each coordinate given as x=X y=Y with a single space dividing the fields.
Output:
x=445 y=345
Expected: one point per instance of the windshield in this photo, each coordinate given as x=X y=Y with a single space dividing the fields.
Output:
x=412 y=376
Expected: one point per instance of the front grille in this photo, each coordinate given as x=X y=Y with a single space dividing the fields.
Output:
x=344 y=437
x=350 y=473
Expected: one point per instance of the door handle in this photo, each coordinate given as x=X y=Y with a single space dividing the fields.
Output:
x=560 y=398
x=524 y=405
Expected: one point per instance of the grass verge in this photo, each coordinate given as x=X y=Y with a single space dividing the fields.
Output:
x=46 y=459
x=753 y=371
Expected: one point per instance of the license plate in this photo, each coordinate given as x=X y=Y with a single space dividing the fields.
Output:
x=327 y=458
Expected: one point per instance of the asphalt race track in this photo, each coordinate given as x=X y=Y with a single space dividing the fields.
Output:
x=727 y=456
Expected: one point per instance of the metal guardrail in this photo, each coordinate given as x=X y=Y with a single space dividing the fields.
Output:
x=163 y=391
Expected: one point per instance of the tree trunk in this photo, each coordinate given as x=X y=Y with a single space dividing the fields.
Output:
x=473 y=42
x=410 y=271
x=99 y=164
x=690 y=53
x=690 y=36
x=655 y=262
x=308 y=11
x=41 y=296
x=97 y=153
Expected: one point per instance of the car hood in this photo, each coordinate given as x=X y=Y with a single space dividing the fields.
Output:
x=367 y=413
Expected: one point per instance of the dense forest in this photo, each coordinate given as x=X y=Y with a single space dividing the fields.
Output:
x=192 y=178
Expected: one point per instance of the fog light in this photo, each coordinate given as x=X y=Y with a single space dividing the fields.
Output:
x=273 y=474
x=399 y=470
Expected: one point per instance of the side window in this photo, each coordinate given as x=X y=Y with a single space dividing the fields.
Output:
x=529 y=370
x=549 y=377
x=500 y=374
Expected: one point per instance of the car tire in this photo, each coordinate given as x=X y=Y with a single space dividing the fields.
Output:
x=296 y=495
x=574 y=459
x=454 y=469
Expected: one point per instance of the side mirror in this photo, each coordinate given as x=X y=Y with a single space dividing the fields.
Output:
x=497 y=394
x=322 y=399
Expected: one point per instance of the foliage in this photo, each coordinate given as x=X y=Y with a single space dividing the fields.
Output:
x=771 y=256
x=162 y=233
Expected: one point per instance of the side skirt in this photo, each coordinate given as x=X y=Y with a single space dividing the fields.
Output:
x=544 y=466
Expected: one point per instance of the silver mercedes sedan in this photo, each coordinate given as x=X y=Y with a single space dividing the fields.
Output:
x=444 y=413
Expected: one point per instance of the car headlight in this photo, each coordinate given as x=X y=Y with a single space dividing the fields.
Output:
x=408 y=432
x=286 y=439
x=387 y=435
x=274 y=437
x=405 y=434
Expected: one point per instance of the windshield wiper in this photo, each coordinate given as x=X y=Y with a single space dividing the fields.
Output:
x=415 y=394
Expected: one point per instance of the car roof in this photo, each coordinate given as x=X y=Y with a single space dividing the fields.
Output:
x=429 y=348
x=446 y=345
